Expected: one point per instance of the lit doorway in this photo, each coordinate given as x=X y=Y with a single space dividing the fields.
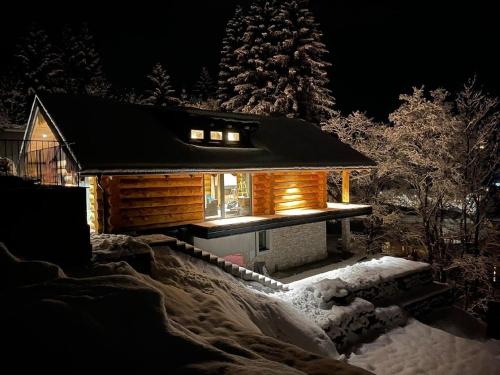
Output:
x=227 y=195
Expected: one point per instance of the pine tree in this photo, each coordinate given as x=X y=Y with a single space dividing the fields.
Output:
x=228 y=66
x=253 y=85
x=279 y=67
x=204 y=88
x=37 y=69
x=39 y=64
x=298 y=58
x=13 y=100
x=161 y=92
x=83 y=68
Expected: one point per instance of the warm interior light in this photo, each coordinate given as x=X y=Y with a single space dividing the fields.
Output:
x=44 y=135
x=233 y=136
x=216 y=136
x=292 y=190
x=197 y=134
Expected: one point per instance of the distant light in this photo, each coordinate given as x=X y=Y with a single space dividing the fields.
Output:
x=482 y=147
x=497 y=184
x=197 y=134
x=233 y=137
x=44 y=135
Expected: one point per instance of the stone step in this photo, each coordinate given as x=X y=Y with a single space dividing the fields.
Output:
x=188 y=249
x=233 y=269
x=213 y=259
x=205 y=255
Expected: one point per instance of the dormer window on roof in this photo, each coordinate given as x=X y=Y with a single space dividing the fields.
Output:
x=233 y=136
x=215 y=136
x=197 y=134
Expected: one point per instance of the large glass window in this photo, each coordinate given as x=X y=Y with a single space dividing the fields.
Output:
x=212 y=183
x=227 y=195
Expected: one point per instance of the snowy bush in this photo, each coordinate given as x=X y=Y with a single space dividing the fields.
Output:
x=7 y=167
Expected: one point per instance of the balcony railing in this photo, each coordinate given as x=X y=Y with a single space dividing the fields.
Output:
x=44 y=162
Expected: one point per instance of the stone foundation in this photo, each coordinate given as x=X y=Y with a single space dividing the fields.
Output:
x=288 y=246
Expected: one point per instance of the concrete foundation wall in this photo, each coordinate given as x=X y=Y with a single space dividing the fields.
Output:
x=288 y=246
x=243 y=244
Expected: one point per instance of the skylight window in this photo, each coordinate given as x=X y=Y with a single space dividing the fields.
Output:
x=197 y=134
x=216 y=136
x=233 y=136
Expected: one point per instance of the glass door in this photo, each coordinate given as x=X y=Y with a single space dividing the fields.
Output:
x=236 y=194
x=227 y=195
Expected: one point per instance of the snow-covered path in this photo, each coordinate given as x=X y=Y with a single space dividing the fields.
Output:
x=420 y=349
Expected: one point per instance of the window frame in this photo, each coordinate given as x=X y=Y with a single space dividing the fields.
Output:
x=223 y=196
x=267 y=240
x=197 y=139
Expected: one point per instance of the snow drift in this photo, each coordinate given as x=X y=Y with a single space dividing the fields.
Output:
x=188 y=317
x=420 y=349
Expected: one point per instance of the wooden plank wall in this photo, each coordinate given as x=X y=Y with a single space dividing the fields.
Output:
x=278 y=191
x=261 y=194
x=153 y=201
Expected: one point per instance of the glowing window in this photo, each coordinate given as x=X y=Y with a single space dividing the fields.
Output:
x=233 y=137
x=216 y=136
x=197 y=134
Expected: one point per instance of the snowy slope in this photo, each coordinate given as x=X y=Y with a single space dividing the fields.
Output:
x=188 y=317
x=420 y=349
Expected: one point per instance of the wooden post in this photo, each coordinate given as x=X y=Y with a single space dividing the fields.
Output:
x=345 y=186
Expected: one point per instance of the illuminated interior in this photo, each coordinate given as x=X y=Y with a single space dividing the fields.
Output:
x=227 y=195
x=215 y=135
x=197 y=134
x=233 y=136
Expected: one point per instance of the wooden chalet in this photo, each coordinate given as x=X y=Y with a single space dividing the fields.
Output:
x=237 y=184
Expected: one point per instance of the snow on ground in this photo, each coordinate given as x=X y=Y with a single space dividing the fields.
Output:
x=365 y=274
x=112 y=247
x=187 y=317
x=315 y=296
x=420 y=349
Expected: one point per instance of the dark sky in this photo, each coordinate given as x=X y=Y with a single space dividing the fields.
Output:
x=378 y=48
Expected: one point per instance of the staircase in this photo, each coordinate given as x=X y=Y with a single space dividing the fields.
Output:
x=158 y=241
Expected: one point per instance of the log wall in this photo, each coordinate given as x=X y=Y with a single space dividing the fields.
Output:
x=278 y=191
x=160 y=201
x=152 y=201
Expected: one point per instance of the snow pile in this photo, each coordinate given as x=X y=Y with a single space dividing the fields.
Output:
x=188 y=317
x=421 y=349
x=345 y=324
x=330 y=289
x=367 y=274
x=113 y=247
x=329 y=299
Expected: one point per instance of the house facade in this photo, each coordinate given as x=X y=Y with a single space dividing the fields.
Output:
x=237 y=185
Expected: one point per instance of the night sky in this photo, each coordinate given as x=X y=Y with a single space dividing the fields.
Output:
x=378 y=48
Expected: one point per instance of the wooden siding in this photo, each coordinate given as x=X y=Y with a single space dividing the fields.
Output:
x=261 y=194
x=278 y=191
x=153 y=201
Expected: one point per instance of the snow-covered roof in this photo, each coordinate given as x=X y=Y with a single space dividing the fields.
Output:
x=118 y=138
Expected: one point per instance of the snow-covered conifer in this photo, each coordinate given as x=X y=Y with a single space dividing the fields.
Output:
x=160 y=92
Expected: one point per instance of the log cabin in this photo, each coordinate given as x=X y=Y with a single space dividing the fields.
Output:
x=235 y=183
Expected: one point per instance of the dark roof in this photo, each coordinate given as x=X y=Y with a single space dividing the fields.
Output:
x=111 y=137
